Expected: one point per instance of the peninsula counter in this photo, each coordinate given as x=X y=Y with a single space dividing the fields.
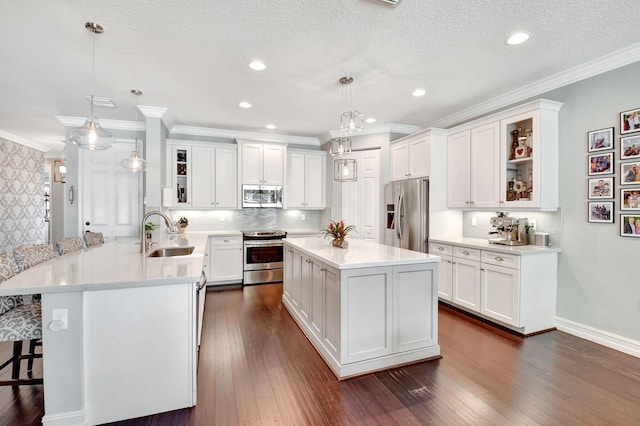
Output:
x=365 y=308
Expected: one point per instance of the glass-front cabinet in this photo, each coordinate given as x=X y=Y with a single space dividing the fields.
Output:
x=519 y=184
x=182 y=158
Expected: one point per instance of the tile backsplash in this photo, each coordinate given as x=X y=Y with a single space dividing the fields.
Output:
x=22 y=195
x=245 y=219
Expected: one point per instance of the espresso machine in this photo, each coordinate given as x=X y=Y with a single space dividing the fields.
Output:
x=510 y=231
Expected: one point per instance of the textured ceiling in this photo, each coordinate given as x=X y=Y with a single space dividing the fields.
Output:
x=192 y=58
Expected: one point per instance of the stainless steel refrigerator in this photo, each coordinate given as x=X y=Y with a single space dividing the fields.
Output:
x=407 y=214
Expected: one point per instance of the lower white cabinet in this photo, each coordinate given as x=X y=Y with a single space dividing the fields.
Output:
x=225 y=260
x=516 y=289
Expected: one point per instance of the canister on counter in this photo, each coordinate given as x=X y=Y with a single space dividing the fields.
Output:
x=542 y=239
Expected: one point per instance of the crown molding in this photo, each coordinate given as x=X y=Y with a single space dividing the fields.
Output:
x=135 y=126
x=17 y=139
x=157 y=112
x=374 y=129
x=617 y=59
x=239 y=134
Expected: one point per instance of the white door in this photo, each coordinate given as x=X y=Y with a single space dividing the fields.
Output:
x=361 y=199
x=111 y=195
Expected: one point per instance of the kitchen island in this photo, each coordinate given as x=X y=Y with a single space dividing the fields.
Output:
x=365 y=308
x=129 y=345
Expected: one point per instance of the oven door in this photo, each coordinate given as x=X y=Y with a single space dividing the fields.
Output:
x=260 y=255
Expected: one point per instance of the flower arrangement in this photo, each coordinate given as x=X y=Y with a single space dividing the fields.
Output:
x=338 y=231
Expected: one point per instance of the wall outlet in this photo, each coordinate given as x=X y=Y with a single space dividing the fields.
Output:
x=61 y=315
x=222 y=218
x=303 y=217
x=532 y=223
x=474 y=221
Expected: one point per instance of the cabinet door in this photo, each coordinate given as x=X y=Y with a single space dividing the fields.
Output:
x=419 y=157
x=295 y=190
x=226 y=262
x=445 y=278
x=273 y=166
x=202 y=173
x=415 y=307
x=400 y=161
x=316 y=314
x=458 y=173
x=332 y=318
x=226 y=178
x=287 y=281
x=500 y=289
x=306 y=264
x=466 y=283
x=485 y=166
x=314 y=181
x=252 y=161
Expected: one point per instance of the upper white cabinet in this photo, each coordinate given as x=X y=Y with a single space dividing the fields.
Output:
x=497 y=162
x=204 y=174
x=473 y=167
x=410 y=157
x=261 y=163
x=306 y=186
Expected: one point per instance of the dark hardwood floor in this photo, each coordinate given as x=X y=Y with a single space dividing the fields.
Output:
x=257 y=368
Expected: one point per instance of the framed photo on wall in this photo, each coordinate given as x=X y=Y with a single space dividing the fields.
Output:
x=630 y=225
x=630 y=173
x=630 y=121
x=601 y=140
x=601 y=164
x=601 y=211
x=630 y=199
x=601 y=187
x=630 y=147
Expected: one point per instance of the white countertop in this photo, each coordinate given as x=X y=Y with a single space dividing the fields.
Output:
x=486 y=245
x=359 y=254
x=117 y=264
x=292 y=232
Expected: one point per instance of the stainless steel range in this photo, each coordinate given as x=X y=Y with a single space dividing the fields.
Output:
x=263 y=256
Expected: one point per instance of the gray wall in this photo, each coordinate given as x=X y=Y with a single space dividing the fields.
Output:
x=598 y=284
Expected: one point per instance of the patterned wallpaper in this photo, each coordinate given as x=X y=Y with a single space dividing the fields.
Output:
x=21 y=195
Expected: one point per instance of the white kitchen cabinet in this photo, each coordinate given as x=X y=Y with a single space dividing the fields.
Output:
x=486 y=169
x=410 y=157
x=473 y=169
x=181 y=161
x=516 y=289
x=292 y=274
x=225 y=260
x=214 y=171
x=445 y=269
x=318 y=290
x=262 y=164
x=306 y=179
x=304 y=303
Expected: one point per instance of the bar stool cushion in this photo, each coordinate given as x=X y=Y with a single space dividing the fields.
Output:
x=29 y=255
x=93 y=238
x=69 y=245
x=21 y=323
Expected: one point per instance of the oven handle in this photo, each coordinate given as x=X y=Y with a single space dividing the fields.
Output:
x=262 y=244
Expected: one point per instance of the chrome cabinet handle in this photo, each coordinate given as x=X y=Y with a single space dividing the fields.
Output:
x=441 y=248
x=498 y=258
x=466 y=253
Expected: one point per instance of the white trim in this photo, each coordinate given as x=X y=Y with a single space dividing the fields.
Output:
x=374 y=129
x=157 y=112
x=239 y=134
x=617 y=59
x=610 y=340
x=70 y=418
x=17 y=139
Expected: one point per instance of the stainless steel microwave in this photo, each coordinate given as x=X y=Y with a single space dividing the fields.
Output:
x=262 y=196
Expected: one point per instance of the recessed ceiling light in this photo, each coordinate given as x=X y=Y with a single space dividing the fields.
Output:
x=517 y=38
x=244 y=104
x=271 y=126
x=257 y=66
x=419 y=92
x=370 y=120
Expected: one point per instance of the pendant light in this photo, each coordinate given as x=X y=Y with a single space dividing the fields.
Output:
x=351 y=120
x=345 y=170
x=90 y=135
x=135 y=163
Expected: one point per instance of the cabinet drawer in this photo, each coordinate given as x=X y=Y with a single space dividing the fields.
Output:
x=501 y=259
x=466 y=253
x=220 y=242
x=440 y=249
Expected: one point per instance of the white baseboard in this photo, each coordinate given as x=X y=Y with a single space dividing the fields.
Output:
x=610 y=340
x=71 y=418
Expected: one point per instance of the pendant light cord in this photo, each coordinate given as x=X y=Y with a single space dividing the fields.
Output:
x=93 y=75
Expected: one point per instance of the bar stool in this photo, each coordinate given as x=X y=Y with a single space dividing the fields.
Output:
x=93 y=238
x=18 y=322
x=69 y=245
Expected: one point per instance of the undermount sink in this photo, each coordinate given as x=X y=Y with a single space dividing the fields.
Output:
x=171 y=251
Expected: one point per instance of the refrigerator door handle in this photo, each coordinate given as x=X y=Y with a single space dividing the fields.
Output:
x=400 y=217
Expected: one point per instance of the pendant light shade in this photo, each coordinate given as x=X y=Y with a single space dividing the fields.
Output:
x=135 y=163
x=90 y=135
x=340 y=146
x=345 y=170
x=351 y=120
